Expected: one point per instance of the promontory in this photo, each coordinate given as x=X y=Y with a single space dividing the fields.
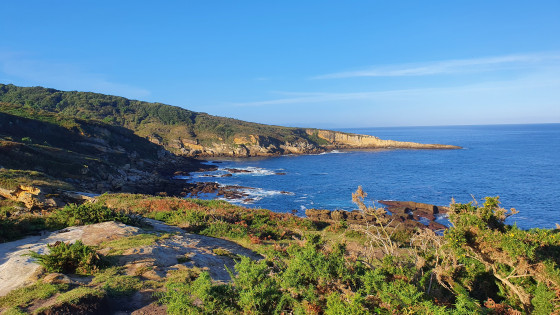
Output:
x=181 y=131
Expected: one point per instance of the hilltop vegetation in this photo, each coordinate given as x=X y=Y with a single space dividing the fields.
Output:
x=160 y=122
x=179 y=130
x=479 y=266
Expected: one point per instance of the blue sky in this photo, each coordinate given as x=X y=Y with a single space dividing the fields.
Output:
x=329 y=64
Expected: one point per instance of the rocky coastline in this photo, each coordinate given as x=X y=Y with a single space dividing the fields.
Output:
x=322 y=141
x=408 y=214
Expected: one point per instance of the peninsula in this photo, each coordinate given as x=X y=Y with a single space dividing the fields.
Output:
x=184 y=132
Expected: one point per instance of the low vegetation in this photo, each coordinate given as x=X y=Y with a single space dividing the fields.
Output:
x=23 y=297
x=90 y=213
x=214 y=218
x=75 y=258
x=12 y=179
x=479 y=266
x=156 y=120
x=17 y=222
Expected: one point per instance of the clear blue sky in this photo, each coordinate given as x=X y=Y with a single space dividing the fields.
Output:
x=327 y=64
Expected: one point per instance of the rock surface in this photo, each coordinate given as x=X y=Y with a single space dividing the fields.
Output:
x=18 y=270
x=258 y=145
x=407 y=213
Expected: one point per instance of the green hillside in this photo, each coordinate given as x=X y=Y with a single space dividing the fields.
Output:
x=159 y=122
x=85 y=153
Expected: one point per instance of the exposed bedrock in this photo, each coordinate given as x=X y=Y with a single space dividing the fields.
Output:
x=407 y=214
x=311 y=141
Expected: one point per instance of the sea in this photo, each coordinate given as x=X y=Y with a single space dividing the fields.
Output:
x=518 y=163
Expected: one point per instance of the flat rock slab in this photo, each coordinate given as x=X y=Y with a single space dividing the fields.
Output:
x=17 y=269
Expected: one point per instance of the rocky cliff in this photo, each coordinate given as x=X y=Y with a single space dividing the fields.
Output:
x=179 y=130
x=317 y=141
x=344 y=140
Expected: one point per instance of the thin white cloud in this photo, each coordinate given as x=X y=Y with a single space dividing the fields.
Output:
x=451 y=66
x=547 y=81
x=21 y=68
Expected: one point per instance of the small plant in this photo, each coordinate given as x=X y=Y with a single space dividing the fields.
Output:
x=379 y=234
x=183 y=259
x=69 y=258
x=223 y=252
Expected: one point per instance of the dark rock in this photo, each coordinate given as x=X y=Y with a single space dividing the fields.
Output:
x=339 y=215
x=406 y=214
x=236 y=170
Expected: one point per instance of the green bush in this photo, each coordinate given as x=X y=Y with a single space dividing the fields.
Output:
x=181 y=297
x=90 y=213
x=69 y=258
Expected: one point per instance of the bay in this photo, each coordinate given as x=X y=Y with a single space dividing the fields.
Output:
x=519 y=163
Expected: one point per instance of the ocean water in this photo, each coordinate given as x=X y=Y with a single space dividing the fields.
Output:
x=519 y=163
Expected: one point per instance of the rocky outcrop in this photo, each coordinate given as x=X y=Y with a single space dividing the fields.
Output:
x=150 y=262
x=310 y=141
x=416 y=209
x=37 y=197
x=407 y=214
x=344 y=140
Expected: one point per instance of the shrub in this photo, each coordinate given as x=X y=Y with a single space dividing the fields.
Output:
x=89 y=213
x=180 y=297
x=69 y=258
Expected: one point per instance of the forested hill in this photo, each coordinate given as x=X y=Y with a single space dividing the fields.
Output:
x=183 y=131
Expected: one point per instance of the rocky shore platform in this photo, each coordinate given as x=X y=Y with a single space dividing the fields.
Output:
x=407 y=214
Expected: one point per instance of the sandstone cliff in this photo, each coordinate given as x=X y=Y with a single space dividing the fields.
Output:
x=176 y=129
x=313 y=141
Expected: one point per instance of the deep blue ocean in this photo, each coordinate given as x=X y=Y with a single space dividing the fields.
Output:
x=519 y=163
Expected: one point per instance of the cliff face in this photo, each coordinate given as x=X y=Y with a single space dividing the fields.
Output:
x=254 y=145
x=318 y=141
x=344 y=140
x=179 y=130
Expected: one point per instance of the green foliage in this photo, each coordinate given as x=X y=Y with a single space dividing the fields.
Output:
x=180 y=297
x=22 y=297
x=542 y=300
x=69 y=258
x=145 y=119
x=258 y=292
x=340 y=305
x=18 y=226
x=314 y=137
x=90 y=213
x=78 y=294
x=119 y=245
x=502 y=263
x=214 y=218
x=480 y=266
x=11 y=179
x=116 y=283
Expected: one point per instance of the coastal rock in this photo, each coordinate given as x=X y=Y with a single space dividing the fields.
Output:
x=259 y=145
x=406 y=213
x=57 y=278
x=416 y=209
x=16 y=266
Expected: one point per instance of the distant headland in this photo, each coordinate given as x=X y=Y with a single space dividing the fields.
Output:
x=184 y=132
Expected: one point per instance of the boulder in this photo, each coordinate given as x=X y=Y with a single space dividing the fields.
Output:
x=57 y=278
